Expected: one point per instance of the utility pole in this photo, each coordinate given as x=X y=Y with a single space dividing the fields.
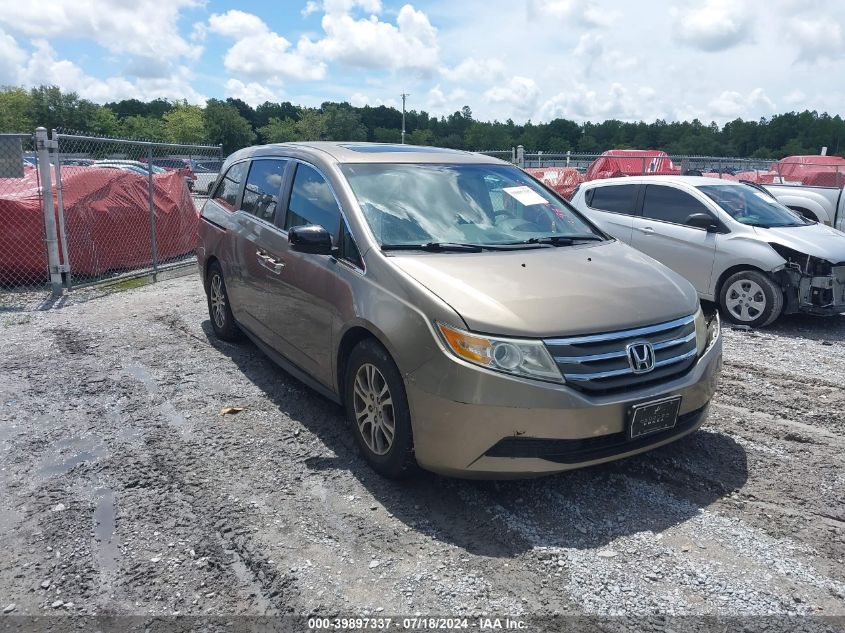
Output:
x=404 y=96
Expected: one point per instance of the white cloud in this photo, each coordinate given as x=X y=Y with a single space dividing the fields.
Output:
x=142 y=27
x=359 y=100
x=440 y=103
x=371 y=43
x=44 y=67
x=714 y=26
x=730 y=104
x=471 y=70
x=582 y=103
x=12 y=57
x=795 y=97
x=345 y=6
x=520 y=93
x=259 y=53
x=583 y=13
x=310 y=7
x=816 y=38
x=253 y=93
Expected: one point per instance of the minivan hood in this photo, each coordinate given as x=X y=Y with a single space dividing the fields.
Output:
x=817 y=240
x=553 y=291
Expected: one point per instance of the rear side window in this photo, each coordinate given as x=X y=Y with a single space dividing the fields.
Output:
x=614 y=198
x=263 y=185
x=226 y=193
x=668 y=204
x=312 y=201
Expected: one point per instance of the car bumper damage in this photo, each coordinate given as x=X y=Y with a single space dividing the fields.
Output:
x=811 y=284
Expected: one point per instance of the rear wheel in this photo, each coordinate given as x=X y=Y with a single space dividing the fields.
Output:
x=219 y=309
x=751 y=298
x=377 y=410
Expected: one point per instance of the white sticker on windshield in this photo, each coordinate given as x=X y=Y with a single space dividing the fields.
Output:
x=525 y=195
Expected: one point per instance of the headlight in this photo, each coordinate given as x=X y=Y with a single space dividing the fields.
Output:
x=700 y=332
x=706 y=332
x=512 y=356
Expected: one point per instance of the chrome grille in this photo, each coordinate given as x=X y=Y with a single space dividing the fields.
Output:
x=599 y=362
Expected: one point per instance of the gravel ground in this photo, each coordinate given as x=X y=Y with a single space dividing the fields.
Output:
x=123 y=491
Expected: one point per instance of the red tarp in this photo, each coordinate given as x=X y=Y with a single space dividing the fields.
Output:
x=716 y=174
x=631 y=162
x=760 y=177
x=563 y=180
x=819 y=171
x=107 y=219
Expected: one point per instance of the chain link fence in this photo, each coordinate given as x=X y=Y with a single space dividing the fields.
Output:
x=128 y=207
x=563 y=171
x=24 y=273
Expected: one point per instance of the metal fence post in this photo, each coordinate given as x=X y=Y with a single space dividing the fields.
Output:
x=520 y=156
x=513 y=155
x=42 y=145
x=153 y=245
x=61 y=213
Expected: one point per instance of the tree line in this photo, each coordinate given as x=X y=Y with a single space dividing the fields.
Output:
x=233 y=124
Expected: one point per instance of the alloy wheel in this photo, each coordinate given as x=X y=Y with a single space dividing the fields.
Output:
x=218 y=301
x=373 y=407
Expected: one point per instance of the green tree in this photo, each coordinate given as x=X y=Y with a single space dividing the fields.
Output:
x=279 y=131
x=420 y=137
x=224 y=125
x=146 y=128
x=387 y=135
x=184 y=123
x=311 y=125
x=105 y=122
x=16 y=109
x=343 y=123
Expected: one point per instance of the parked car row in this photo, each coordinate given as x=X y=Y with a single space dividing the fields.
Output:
x=469 y=320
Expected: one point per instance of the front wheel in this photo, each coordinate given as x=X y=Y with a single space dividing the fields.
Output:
x=377 y=410
x=751 y=298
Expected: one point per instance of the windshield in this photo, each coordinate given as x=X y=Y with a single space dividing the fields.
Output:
x=747 y=205
x=486 y=205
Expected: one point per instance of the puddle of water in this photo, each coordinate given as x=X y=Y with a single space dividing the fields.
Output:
x=174 y=418
x=106 y=542
x=140 y=372
x=83 y=449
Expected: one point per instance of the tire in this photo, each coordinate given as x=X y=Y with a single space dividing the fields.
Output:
x=219 y=308
x=750 y=297
x=369 y=372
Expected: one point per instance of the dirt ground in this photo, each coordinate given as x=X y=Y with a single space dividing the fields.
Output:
x=123 y=491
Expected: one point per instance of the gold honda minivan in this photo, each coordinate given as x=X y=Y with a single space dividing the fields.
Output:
x=468 y=319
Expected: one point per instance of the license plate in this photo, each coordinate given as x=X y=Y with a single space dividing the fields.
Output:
x=651 y=417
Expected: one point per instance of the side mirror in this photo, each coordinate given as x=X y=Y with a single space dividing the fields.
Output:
x=311 y=239
x=703 y=221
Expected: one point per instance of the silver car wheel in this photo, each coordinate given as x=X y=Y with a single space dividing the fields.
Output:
x=745 y=300
x=218 y=301
x=373 y=407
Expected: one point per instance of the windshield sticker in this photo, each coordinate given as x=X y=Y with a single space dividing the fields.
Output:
x=525 y=195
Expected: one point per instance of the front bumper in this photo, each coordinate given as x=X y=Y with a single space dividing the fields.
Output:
x=474 y=423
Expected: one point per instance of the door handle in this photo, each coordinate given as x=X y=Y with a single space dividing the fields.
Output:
x=646 y=229
x=269 y=262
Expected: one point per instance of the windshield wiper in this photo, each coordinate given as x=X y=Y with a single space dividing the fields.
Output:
x=563 y=240
x=434 y=247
